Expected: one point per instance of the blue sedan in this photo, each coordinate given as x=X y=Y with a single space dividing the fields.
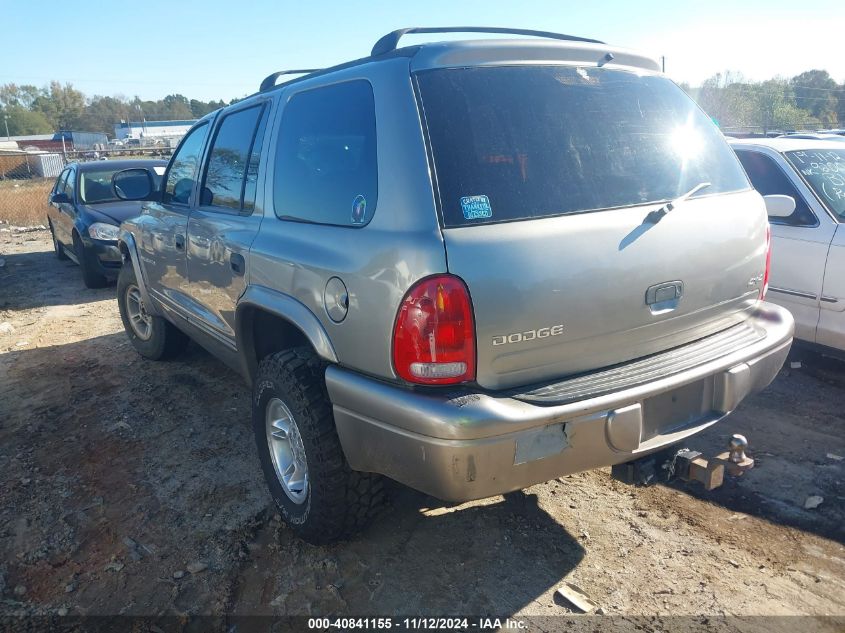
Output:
x=85 y=213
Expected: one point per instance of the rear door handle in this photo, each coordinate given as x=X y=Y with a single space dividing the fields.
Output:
x=180 y=241
x=238 y=263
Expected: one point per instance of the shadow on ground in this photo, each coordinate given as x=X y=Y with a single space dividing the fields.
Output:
x=796 y=433
x=59 y=283
x=117 y=474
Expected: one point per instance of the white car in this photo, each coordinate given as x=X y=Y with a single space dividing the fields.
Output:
x=808 y=244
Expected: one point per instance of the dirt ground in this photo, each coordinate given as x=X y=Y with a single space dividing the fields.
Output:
x=132 y=487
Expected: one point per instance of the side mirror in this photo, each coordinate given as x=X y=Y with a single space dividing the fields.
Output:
x=778 y=206
x=60 y=198
x=133 y=184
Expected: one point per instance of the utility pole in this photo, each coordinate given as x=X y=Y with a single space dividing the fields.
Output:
x=663 y=63
x=6 y=121
x=143 y=119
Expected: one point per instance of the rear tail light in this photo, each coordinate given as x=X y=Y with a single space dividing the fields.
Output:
x=765 y=287
x=434 y=337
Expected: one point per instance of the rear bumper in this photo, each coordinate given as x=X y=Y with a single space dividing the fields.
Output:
x=464 y=445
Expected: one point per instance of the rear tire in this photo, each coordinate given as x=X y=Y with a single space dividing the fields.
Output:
x=290 y=404
x=58 y=249
x=152 y=337
x=90 y=276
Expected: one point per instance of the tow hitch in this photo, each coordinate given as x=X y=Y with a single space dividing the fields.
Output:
x=687 y=465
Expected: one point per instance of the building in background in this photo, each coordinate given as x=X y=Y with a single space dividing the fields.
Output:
x=63 y=141
x=151 y=129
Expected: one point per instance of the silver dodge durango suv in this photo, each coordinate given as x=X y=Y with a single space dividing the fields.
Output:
x=469 y=266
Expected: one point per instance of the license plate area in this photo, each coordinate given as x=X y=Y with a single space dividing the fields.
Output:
x=676 y=409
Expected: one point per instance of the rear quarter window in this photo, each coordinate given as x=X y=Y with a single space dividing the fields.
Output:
x=519 y=142
x=326 y=168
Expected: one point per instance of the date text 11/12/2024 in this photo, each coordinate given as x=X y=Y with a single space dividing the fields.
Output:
x=417 y=624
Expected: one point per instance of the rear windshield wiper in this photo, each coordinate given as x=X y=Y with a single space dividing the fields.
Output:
x=655 y=216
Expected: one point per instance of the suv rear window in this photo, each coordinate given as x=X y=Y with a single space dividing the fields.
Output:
x=519 y=142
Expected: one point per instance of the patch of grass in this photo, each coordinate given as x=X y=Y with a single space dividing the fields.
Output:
x=24 y=202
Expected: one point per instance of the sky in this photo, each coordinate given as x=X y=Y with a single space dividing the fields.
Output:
x=218 y=49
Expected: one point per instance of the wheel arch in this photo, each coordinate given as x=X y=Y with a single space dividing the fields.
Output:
x=267 y=321
x=129 y=252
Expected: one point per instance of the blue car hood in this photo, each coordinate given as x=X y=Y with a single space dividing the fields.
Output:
x=116 y=211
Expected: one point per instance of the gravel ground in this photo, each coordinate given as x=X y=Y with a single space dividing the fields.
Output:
x=132 y=487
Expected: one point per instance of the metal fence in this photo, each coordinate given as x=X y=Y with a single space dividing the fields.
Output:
x=23 y=201
x=26 y=178
x=19 y=165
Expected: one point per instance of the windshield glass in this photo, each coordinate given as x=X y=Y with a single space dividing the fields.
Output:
x=95 y=186
x=824 y=172
x=519 y=142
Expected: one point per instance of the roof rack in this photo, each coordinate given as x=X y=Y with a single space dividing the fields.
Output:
x=389 y=42
x=270 y=80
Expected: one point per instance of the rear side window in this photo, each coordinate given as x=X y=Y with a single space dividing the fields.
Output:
x=768 y=179
x=231 y=161
x=251 y=181
x=326 y=164
x=184 y=167
x=519 y=142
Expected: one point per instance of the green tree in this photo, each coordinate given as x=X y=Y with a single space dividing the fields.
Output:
x=22 y=121
x=14 y=95
x=816 y=92
x=61 y=105
x=200 y=108
x=176 y=107
x=729 y=99
x=102 y=113
x=777 y=107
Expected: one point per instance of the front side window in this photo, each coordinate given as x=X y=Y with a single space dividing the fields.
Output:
x=70 y=185
x=61 y=182
x=824 y=171
x=326 y=163
x=229 y=160
x=769 y=179
x=519 y=142
x=184 y=167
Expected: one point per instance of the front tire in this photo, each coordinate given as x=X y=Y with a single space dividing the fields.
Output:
x=317 y=493
x=90 y=276
x=152 y=337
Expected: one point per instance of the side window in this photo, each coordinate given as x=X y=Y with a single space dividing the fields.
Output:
x=251 y=183
x=70 y=185
x=61 y=182
x=326 y=165
x=768 y=178
x=184 y=167
x=231 y=160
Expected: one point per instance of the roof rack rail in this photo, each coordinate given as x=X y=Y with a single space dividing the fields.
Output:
x=389 y=42
x=270 y=80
